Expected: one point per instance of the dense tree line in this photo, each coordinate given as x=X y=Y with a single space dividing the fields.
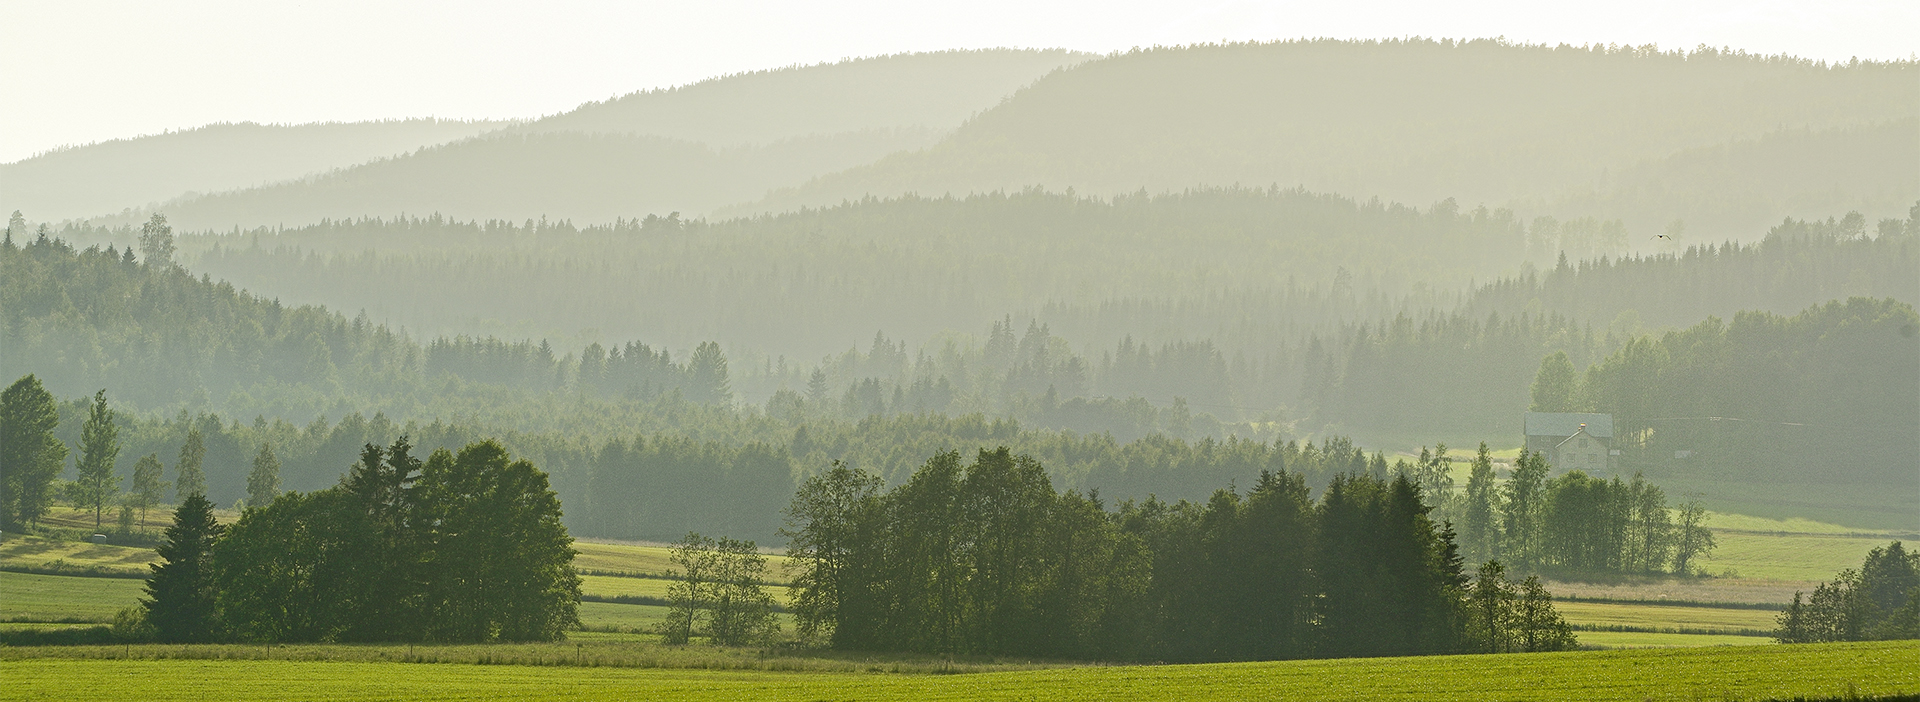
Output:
x=459 y=547
x=1774 y=397
x=1572 y=523
x=712 y=471
x=1797 y=264
x=1881 y=600
x=989 y=558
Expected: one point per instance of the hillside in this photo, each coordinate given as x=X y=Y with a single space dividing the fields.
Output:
x=107 y=177
x=1416 y=121
x=687 y=149
x=932 y=92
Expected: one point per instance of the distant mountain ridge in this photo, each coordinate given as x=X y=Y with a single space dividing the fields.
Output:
x=106 y=177
x=689 y=148
x=1417 y=121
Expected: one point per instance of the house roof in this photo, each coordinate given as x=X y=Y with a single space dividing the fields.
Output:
x=1599 y=426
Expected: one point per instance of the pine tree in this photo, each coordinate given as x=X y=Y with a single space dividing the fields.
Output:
x=707 y=375
x=181 y=592
x=263 y=482
x=1523 y=509
x=1479 y=530
x=30 y=455
x=99 y=451
x=189 y=475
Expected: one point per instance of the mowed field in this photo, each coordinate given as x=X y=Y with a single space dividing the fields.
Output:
x=1722 y=673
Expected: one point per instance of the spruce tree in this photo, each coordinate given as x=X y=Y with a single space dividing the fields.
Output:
x=190 y=476
x=263 y=482
x=181 y=592
x=30 y=455
x=99 y=450
x=1479 y=526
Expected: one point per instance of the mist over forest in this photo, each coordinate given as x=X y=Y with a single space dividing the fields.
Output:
x=1076 y=255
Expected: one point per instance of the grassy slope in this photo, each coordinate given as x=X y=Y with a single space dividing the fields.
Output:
x=1745 y=672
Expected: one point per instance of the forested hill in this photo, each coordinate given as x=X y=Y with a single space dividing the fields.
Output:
x=104 y=178
x=1622 y=131
x=690 y=148
x=805 y=284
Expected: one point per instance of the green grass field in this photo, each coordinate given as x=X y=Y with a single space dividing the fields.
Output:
x=58 y=598
x=625 y=617
x=38 y=552
x=1720 y=673
x=1706 y=619
x=604 y=557
x=1804 y=557
x=1636 y=639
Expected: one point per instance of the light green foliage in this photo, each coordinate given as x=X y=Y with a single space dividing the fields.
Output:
x=148 y=486
x=190 y=476
x=1553 y=386
x=1740 y=672
x=263 y=482
x=96 y=485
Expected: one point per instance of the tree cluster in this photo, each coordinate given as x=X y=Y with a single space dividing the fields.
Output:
x=1573 y=523
x=1773 y=397
x=1881 y=600
x=989 y=558
x=718 y=592
x=460 y=547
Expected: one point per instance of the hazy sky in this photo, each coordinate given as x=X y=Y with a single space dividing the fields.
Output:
x=78 y=71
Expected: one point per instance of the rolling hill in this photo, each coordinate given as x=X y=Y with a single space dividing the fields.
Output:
x=1626 y=133
x=110 y=176
x=691 y=148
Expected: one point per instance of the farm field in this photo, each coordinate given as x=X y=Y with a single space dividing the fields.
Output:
x=1636 y=639
x=1706 y=619
x=644 y=559
x=41 y=552
x=1776 y=556
x=57 y=598
x=616 y=586
x=1734 y=672
x=624 y=617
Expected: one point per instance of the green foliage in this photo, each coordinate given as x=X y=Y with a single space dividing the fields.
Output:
x=30 y=455
x=470 y=549
x=1878 y=601
x=148 y=486
x=723 y=579
x=989 y=558
x=97 y=485
x=501 y=560
x=190 y=475
x=181 y=594
x=1553 y=386
x=263 y=482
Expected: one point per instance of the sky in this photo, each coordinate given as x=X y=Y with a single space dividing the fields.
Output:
x=81 y=71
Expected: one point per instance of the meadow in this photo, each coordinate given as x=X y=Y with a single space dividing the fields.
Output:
x=83 y=674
